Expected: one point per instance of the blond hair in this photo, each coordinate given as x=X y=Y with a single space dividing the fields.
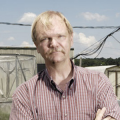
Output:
x=44 y=18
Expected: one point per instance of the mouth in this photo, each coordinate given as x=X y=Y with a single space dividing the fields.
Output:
x=56 y=51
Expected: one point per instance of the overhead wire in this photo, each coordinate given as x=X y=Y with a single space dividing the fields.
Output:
x=82 y=27
x=96 y=27
x=7 y=23
x=116 y=39
x=95 y=48
x=90 y=50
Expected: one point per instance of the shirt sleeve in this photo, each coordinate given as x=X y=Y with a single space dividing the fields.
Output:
x=107 y=98
x=20 y=106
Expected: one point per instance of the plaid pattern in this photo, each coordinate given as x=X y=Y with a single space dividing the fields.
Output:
x=41 y=99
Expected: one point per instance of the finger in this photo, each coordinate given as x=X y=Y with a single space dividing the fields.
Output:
x=98 y=111
x=101 y=113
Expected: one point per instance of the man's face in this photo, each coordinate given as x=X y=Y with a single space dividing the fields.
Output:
x=54 y=44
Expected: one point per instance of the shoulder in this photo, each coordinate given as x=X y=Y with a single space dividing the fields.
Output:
x=92 y=77
x=27 y=88
x=24 y=89
x=85 y=71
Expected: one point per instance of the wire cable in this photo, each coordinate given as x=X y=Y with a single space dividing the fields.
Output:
x=116 y=39
x=7 y=23
x=82 y=27
x=96 y=48
x=96 y=27
x=90 y=50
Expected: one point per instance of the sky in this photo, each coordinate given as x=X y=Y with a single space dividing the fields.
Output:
x=83 y=13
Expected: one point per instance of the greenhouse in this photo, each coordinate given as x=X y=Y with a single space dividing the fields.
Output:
x=14 y=70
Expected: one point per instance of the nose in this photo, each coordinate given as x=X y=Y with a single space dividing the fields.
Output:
x=53 y=42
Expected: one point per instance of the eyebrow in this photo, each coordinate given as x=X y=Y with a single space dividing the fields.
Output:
x=41 y=36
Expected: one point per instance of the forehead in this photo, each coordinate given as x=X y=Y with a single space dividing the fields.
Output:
x=55 y=24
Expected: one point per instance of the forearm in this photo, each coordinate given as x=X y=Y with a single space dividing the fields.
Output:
x=100 y=114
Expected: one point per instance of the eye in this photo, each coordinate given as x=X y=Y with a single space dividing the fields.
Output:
x=59 y=36
x=43 y=39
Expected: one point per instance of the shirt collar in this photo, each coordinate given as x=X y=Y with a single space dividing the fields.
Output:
x=70 y=83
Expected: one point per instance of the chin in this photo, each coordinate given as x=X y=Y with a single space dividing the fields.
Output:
x=56 y=60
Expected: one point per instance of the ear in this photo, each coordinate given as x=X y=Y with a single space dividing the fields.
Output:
x=37 y=48
x=71 y=39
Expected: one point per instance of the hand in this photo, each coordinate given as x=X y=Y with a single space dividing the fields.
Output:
x=100 y=114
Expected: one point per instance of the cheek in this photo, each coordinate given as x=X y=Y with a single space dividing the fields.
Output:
x=39 y=48
x=68 y=45
x=43 y=50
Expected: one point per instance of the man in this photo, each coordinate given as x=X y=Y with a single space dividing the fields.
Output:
x=62 y=91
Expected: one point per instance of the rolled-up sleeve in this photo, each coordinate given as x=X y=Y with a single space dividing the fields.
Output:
x=107 y=98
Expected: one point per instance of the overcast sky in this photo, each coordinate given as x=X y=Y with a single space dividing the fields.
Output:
x=78 y=12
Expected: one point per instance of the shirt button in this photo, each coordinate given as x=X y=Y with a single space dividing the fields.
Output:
x=63 y=96
x=65 y=115
x=70 y=88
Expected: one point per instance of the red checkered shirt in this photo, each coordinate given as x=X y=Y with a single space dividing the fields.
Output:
x=41 y=99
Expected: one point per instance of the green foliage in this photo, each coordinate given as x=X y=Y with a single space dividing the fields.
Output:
x=4 y=116
x=86 y=62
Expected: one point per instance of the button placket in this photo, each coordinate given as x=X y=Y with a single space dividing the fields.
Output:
x=63 y=97
x=65 y=114
x=64 y=105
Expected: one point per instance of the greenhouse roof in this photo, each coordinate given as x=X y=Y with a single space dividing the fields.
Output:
x=100 y=68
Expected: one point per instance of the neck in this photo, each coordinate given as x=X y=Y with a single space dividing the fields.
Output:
x=61 y=73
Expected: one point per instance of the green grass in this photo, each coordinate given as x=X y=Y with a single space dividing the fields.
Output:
x=4 y=116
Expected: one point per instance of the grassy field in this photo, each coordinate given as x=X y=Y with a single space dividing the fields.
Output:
x=4 y=116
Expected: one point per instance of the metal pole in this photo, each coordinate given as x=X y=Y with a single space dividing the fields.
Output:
x=7 y=79
x=116 y=78
x=34 y=66
x=2 y=84
x=80 y=62
x=17 y=82
x=21 y=69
